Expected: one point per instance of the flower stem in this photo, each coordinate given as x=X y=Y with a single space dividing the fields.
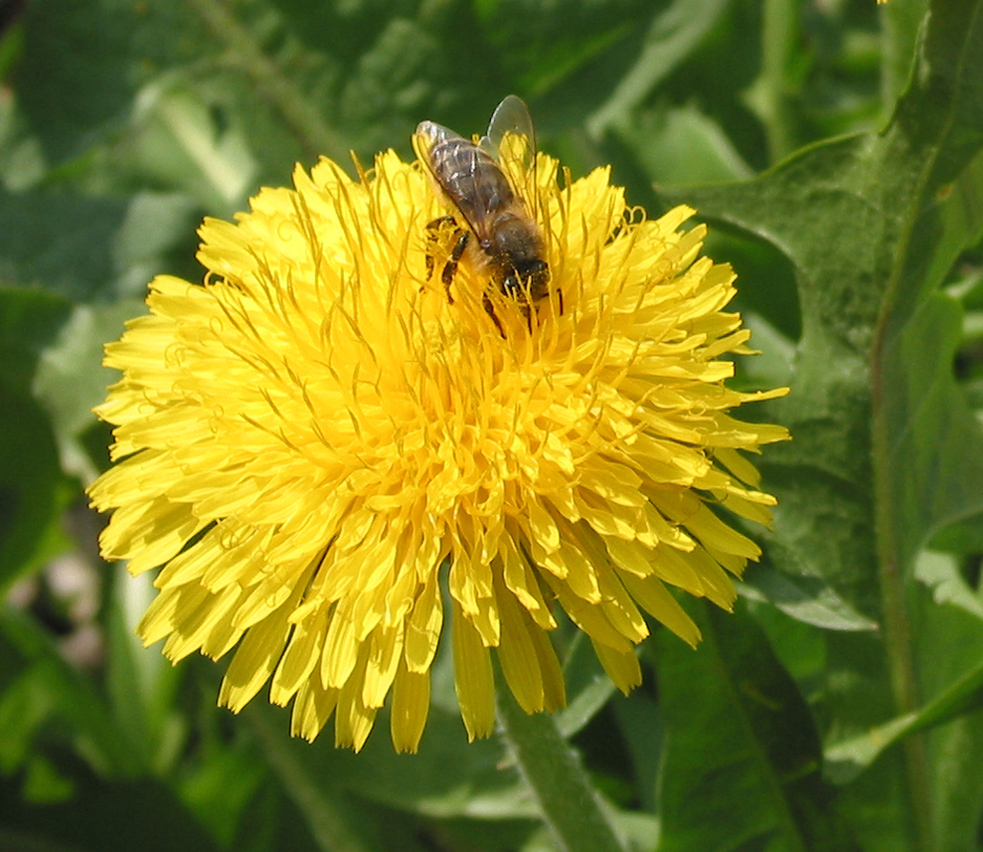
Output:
x=893 y=564
x=553 y=770
x=769 y=95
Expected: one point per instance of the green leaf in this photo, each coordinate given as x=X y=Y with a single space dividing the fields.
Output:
x=929 y=484
x=940 y=573
x=743 y=759
x=673 y=34
x=141 y=684
x=74 y=74
x=851 y=756
x=806 y=599
x=315 y=778
x=70 y=379
x=185 y=140
x=449 y=777
x=683 y=146
x=21 y=159
x=951 y=632
x=640 y=721
x=102 y=817
x=950 y=649
x=852 y=216
x=84 y=60
x=588 y=687
x=541 y=49
x=157 y=234
x=871 y=225
x=225 y=782
x=60 y=242
x=68 y=696
x=33 y=491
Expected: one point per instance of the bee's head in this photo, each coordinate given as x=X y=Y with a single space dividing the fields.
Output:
x=530 y=277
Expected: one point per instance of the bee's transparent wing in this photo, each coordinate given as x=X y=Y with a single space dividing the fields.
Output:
x=511 y=141
x=428 y=135
x=455 y=171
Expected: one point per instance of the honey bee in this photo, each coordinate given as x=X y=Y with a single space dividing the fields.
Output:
x=492 y=228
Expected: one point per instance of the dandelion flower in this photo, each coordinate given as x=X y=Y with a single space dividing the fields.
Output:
x=326 y=455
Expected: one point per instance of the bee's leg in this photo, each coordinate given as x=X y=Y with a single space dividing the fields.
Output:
x=450 y=268
x=433 y=230
x=434 y=239
x=486 y=303
x=559 y=296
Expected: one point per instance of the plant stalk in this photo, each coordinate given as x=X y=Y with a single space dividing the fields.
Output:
x=569 y=804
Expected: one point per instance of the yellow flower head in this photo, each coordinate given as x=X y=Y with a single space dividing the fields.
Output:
x=324 y=447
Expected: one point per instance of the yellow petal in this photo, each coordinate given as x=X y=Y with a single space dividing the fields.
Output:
x=411 y=704
x=473 y=679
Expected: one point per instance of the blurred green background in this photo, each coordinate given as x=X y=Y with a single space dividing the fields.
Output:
x=124 y=122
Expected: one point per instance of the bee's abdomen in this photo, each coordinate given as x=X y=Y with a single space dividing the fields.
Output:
x=514 y=240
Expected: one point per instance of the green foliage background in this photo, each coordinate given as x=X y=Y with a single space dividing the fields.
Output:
x=835 y=148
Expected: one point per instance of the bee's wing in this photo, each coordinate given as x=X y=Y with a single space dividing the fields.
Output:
x=428 y=134
x=511 y=140
x=457 y=172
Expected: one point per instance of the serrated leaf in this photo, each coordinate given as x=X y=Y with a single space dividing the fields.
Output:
x=854 y=217
x=885 y=449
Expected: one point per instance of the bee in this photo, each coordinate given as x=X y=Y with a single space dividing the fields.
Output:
x=491 y=226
